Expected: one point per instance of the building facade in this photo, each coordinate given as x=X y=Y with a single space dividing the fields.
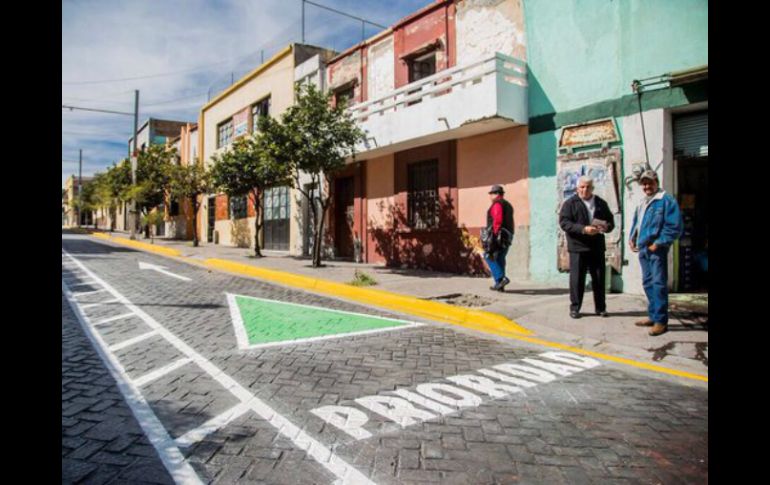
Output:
x=442 y=97
x=585 y=117
x=268 y=90
x=70 y=212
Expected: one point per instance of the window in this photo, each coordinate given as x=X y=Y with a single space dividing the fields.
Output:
x=261 y=108
x=238 y=206
x=422 y=67
x=344 y=96
x=173 y=209
x=225 y=133
x=422 y=195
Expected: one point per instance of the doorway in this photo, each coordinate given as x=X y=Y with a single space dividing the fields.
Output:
x=343 y=216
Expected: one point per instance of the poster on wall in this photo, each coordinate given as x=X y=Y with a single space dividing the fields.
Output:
x=602 y=166
x=241 y=123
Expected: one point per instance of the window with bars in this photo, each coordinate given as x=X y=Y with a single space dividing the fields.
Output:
x=260 y=108
x=422 y=195
x=238 y=206
x=225 y=133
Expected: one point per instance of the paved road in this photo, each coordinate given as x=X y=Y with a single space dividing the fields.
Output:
x=405 y=404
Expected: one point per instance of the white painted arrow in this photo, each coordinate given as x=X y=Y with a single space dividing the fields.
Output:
x=161 y=269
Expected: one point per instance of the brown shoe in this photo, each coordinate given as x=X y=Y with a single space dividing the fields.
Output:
x=658 y=329
x=646 y=322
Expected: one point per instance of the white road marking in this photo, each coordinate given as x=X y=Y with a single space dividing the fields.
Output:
x=91 y=305
x=218 y=422
x=84 y=293
x=158 y=373
x=116 y=317
x=179 y=469
x=162 y=269
x=345 y=473
x=243 y=340
x=132 y=341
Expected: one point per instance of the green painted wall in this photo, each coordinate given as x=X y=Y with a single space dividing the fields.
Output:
x=582 y=57
x=586 y=51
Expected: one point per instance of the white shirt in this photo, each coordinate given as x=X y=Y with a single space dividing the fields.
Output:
x=591 y=206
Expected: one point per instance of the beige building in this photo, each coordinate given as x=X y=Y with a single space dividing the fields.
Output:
x=267 y=90
x=69 y=211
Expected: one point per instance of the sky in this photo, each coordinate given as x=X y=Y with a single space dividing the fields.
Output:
x=177 y=53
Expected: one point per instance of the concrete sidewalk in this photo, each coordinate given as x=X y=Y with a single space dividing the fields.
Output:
x=540 y=308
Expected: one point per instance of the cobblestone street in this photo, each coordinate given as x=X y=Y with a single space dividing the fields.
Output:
x=413 y=404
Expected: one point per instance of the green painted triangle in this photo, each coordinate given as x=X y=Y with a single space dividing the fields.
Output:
x=268 y=321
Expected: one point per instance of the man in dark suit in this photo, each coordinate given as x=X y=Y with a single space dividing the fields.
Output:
x=585 y=218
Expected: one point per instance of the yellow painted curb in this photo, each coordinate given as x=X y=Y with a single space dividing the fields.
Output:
x=101 y=235
x=147 y=247
x=621 y=360
x=475 y=319
x=465 y=317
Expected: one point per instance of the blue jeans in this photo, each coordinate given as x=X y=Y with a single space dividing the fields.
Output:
x=496 y=263
x=655 y=281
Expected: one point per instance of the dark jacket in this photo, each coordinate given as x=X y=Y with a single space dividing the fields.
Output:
x=574 y=216
x=506 y=238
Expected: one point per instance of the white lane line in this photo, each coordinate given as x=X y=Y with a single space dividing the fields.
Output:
x=81 y=284
x=218 y=422
x=158 y=373
x=116 y=317
x=84 y=293
x=329 y=337
x=91 y=305
x=179 y=469
x=316 y=450
x=132 y=341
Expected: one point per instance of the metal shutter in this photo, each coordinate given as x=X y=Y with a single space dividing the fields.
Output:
x=691 y=135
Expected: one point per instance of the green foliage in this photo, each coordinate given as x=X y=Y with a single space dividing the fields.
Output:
x=313 y=138
x=153 y=172
x=244 y=168
x=362 y=279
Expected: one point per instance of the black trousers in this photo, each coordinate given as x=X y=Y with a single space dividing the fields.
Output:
x=579 y=264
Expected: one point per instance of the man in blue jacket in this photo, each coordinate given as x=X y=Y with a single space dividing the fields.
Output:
x=657 y=224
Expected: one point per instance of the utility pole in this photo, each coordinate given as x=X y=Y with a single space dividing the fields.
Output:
x=80 y=184
x=303 y=21
x=134 y=162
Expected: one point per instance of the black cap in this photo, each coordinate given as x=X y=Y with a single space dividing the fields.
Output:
x=497 y=189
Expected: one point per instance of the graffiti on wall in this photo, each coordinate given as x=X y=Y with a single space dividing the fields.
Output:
x=602 y=166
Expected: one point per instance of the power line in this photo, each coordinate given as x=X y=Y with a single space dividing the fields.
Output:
x=97 y=110
x=344 y=14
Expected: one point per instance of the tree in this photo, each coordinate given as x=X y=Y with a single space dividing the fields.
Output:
x=152 y=178
x=151 y=220
x=244 y=170
x=117 y=183
x=190 y=181
x=316 y=139
x=85 y=201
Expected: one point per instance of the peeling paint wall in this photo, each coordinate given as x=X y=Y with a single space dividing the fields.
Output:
x=345 y=70
x=380 y=69
x=420 y=32
x=488 y=26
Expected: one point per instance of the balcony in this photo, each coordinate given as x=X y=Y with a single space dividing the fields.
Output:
x=463 y=101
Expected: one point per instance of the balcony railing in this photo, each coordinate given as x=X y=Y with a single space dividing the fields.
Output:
x=495 y=87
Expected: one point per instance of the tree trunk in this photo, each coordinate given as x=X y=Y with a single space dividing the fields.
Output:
x=257 y=212
x=195 y=220
x=318 y=238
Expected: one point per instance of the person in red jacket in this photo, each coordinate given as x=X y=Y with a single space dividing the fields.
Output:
x=500 y=236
